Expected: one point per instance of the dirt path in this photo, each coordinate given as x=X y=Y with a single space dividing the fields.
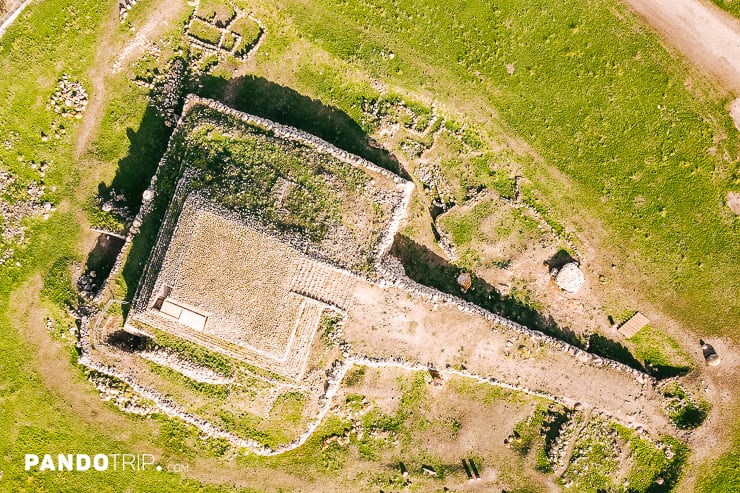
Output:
x=74 y=394
x=112 y=56
x=706 y=35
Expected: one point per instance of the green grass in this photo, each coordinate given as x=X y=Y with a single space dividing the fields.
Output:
x=649 y=462
x=660 y=354
x=218 y=12
x=196 y=354
x=355 y=376
x=634 y=144
x=218 y=393
x=204 y=32
x=262 y=160
x=731 y=6
x=228 y=42
x=48 y=39
x=723 y=475
x=249 y=31
x=686 y=411
x=58 y=285
x=489 y=223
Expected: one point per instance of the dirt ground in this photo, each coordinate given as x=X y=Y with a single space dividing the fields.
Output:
x=484 y=419
x=441 y=334
x=706 y=35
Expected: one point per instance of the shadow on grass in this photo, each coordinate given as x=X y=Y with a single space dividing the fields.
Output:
x=557 y=261
x=608 y=348
x=261 y=97
x=102 y=257
x=426 y=267
x=661 y=371
x=146 y=146
x=127 y=342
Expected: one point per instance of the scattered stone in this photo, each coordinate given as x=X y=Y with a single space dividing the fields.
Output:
x=69 y=100
x=465 y=281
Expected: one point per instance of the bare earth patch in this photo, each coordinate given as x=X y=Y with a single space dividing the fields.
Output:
x=735 y=112
x=733 y=202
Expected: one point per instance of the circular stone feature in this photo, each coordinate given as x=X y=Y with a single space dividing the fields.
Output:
x=570 y=278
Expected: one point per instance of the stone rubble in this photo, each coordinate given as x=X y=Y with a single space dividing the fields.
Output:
x=70 y=98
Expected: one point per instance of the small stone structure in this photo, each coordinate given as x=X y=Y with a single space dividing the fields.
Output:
x=569 y=278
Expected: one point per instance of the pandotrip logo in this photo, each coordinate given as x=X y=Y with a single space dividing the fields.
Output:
x=85 y=462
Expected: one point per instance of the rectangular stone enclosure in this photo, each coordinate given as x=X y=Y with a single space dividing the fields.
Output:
x=238 y=266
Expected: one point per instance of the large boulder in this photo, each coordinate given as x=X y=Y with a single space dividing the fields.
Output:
x=570 y=278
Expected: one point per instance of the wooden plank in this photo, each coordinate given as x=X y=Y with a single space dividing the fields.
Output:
x=633 y=325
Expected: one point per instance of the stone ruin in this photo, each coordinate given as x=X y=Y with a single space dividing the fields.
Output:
x=69 y=99
x=262 y=308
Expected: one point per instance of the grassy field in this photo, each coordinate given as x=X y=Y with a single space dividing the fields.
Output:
x=618 y=139
x=49 y=39
x=731 y=6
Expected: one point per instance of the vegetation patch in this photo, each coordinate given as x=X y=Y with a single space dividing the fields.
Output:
x=656 y=466
x=661 y=355
x=731 y=6
x=217 y=12
x=58 y=285
x=249 y=32
x=204 y=32
x=594 y=460
x=686 y=412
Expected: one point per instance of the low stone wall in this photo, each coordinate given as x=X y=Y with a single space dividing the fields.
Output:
x=393 y=274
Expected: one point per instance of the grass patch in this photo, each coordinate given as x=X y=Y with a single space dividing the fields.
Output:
x=195 y=353
x=228 y=41
x=217 y=12
x=204 y=32
x=686 y=412
x=650 y=461
x=250 y=33
x=661 y=355
x=217 y=392
x=355 y=376
x=731 y=6
x=100 y=219
x=58 y=286
x=722 y=476
x=537 y=432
